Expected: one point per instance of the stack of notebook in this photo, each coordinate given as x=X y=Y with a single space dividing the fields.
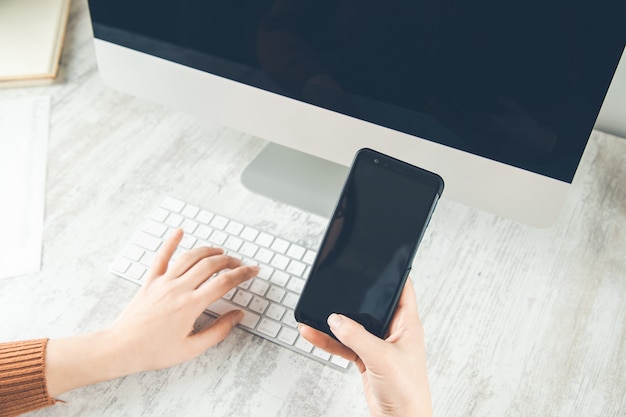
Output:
x=31 y=39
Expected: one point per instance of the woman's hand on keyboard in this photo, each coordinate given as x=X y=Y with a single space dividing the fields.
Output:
x=156 y=329
x=393 y=370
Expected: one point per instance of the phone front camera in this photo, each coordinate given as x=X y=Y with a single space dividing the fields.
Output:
x=375 y=160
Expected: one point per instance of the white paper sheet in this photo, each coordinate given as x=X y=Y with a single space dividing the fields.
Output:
x=24 y=125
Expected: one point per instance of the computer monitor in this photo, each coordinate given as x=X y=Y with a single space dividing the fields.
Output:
x=498 y=97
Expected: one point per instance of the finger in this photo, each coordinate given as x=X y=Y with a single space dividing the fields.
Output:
x=190 y=258
x=163 y=256
x=216 y=332
x=327 y=343
x=356 y=337
x=406 y=321
x=207 y=268
x=407 y=298
x=219 y=285
x=406 y=308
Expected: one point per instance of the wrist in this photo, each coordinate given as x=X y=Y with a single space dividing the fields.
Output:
x=84 y=360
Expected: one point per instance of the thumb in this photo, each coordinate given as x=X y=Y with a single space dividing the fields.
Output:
x=355 y=336
x=217 y=331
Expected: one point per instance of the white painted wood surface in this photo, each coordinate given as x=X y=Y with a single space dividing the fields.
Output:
x=519 y=321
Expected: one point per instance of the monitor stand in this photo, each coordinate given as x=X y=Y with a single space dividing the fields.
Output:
x=296 y=178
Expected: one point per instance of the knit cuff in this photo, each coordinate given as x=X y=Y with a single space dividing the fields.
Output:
x=22 y=377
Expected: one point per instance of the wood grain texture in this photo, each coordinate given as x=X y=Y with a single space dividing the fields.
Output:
x=519 y=321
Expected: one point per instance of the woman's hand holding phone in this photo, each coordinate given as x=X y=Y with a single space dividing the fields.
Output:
x=393 y=370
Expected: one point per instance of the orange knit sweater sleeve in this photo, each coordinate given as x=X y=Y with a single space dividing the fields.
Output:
x=22 y=377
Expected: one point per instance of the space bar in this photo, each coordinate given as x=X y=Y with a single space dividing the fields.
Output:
x=222 y=306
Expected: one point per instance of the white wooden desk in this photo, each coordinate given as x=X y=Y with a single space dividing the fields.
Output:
x=519 y=321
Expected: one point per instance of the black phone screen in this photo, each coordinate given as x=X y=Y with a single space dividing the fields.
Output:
x=370 y=242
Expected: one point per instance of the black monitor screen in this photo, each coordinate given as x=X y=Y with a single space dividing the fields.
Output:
x=520 y=82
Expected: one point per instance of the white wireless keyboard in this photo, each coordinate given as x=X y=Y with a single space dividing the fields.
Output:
x=267 y=300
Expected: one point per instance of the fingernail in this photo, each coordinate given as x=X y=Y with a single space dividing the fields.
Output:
x=335 y=320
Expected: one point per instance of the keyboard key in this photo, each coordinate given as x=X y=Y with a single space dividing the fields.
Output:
x=288 y=335
x=275 y=312
x=265 y=272
x=268 y=327
x=280 y=278
x=219 y=222
x=159 y=215
x=303 y=344
x=258 y=304
x=279 y=261
x=250 y=319
x=234 y=255
x=146 y=241
x=246 y=284
x=234 y=228
x=248 y=249
x=174 y=220
x=218 y=237
x=289 y=319
x=154 y=228
x=309 y=257
x=322 y=354
x=233 y=243
x=339 y=361
x=204 y=216
x=203 y=232
x=296 y=251
x=201 y=244
x=248 y=261
x=190 y=211
x=290 y=300
x=280 y=245
x=147 y=259
x=133 y=252
x=275 y=294
x=120 y=265
x=221 y=307
x=187 y=242
x=259 y=287
x=172 y=204
x=242 y=298
x=295 y=285
x=264 y=239
x=296 y=268
x=249 y=233
x=189 y=226
x=136 y=271
x=264 y=255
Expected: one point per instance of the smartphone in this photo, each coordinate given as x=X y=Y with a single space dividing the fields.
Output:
x=367 y=251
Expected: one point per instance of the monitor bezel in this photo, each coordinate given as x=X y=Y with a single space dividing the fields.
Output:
x=476 y=181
